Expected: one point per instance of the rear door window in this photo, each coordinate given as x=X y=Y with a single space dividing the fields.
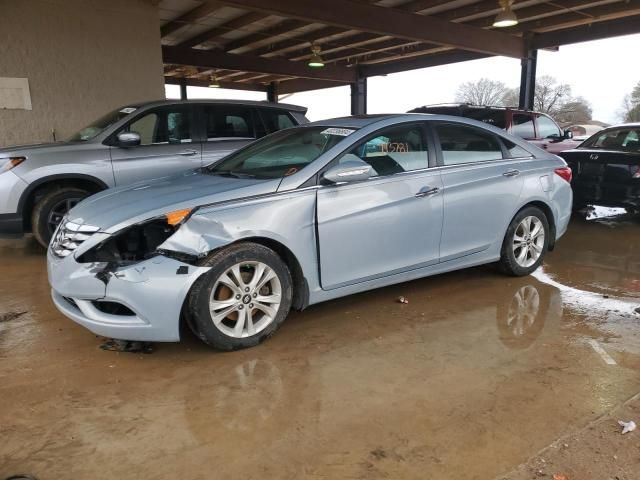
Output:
x=465 y=144
x=522 y=125
x=514 y=150
x=228 y=122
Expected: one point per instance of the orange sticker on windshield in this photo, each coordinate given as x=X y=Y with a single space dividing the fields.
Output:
x=291 y=171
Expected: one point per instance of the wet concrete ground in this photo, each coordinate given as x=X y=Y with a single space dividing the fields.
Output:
x=470 y=380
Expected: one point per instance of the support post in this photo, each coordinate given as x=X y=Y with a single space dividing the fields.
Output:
x=272 y=92
x=359 y=96
x=183 y=89
x=528 y=79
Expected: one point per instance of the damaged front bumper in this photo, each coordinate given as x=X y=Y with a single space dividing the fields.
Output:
x=140 y=301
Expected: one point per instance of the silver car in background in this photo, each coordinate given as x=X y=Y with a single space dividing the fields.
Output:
x=40 y=183
x=303 y=216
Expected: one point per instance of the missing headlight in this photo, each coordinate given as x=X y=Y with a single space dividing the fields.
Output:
x=132 y=244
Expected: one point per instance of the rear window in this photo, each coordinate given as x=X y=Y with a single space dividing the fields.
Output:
x=492 y=117
x=624 y=139
x=465 y=144
x=274 y=120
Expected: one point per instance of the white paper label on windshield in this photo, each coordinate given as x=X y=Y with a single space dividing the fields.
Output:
x=343 y=132
x=128 y=110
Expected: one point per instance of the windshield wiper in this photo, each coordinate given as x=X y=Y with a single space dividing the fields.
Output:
x=231 y=173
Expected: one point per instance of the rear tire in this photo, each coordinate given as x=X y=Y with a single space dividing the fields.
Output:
x=525 y=243
x=243 y=299
x=50 y=210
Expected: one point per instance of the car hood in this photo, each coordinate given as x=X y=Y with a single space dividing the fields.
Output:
x=26 y=150
x=117 y=208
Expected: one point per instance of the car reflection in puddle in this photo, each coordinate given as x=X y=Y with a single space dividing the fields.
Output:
x=521 y=321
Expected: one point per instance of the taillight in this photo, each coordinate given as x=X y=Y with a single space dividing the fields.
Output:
x=636 y=174
x=565 y=173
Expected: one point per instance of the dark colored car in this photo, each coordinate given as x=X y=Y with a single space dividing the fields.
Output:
x=535 y=127
x=606 y=168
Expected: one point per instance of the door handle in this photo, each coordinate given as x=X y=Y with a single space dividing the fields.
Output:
x=427 y=192
x=511 y=173
x=188 y=153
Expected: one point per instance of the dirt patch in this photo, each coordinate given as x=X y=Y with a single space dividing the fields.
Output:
x=599 y=451
x=7 y=317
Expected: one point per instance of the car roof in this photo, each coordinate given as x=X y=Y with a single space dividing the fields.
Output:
x=357 y=121
x=465 y=107
x=624 y=125
x=282 y=106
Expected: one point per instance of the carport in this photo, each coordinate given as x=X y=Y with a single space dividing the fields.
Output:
x=266 y=46
x=64 y=63
x=465 y=375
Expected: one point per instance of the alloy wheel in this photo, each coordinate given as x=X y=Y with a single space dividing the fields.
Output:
x=59 y=210
x=528 y=241
x=245 y=299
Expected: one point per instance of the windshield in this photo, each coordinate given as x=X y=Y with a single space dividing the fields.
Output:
x=281 y=154
x=621 y=139
x=100 y=125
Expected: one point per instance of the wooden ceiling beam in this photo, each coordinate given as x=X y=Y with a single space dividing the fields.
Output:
x=215 y=33
x=388 y=21
x=596 y=31
x=193 y=82
x=191 y=16
x=575 y=9
x=249 y=63
x=433 y=60
x=300 y=42
x=282 y=28
x=569 y=20
x=305 y=85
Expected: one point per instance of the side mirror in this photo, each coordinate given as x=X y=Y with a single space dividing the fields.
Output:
x=128 y=139
x=568 y=134
x=348 y=171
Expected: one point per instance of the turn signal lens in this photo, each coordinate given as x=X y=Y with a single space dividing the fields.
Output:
x=565 y=173
x=7 y=164
x=174 y=218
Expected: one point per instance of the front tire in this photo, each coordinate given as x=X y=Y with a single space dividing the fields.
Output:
x=525 y=243
x=243 y=299
x=50 y=209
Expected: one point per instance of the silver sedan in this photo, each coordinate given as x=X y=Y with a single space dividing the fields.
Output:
x=302 y=216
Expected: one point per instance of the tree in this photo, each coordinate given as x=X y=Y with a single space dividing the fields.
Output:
x=633 y=115
x=631 y=105
x=482 y=92
x=575 y=111
x=511 y=98
x=550 y=95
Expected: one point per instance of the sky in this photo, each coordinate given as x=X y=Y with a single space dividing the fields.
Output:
x=602 y=72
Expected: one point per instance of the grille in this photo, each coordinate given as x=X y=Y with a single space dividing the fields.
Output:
x=70 y=236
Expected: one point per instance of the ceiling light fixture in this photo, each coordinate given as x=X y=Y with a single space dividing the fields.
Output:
x=506 y=18
x=214 y=82
x=316 y=60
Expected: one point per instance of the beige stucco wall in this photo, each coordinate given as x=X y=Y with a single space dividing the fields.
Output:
x=83 y=58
